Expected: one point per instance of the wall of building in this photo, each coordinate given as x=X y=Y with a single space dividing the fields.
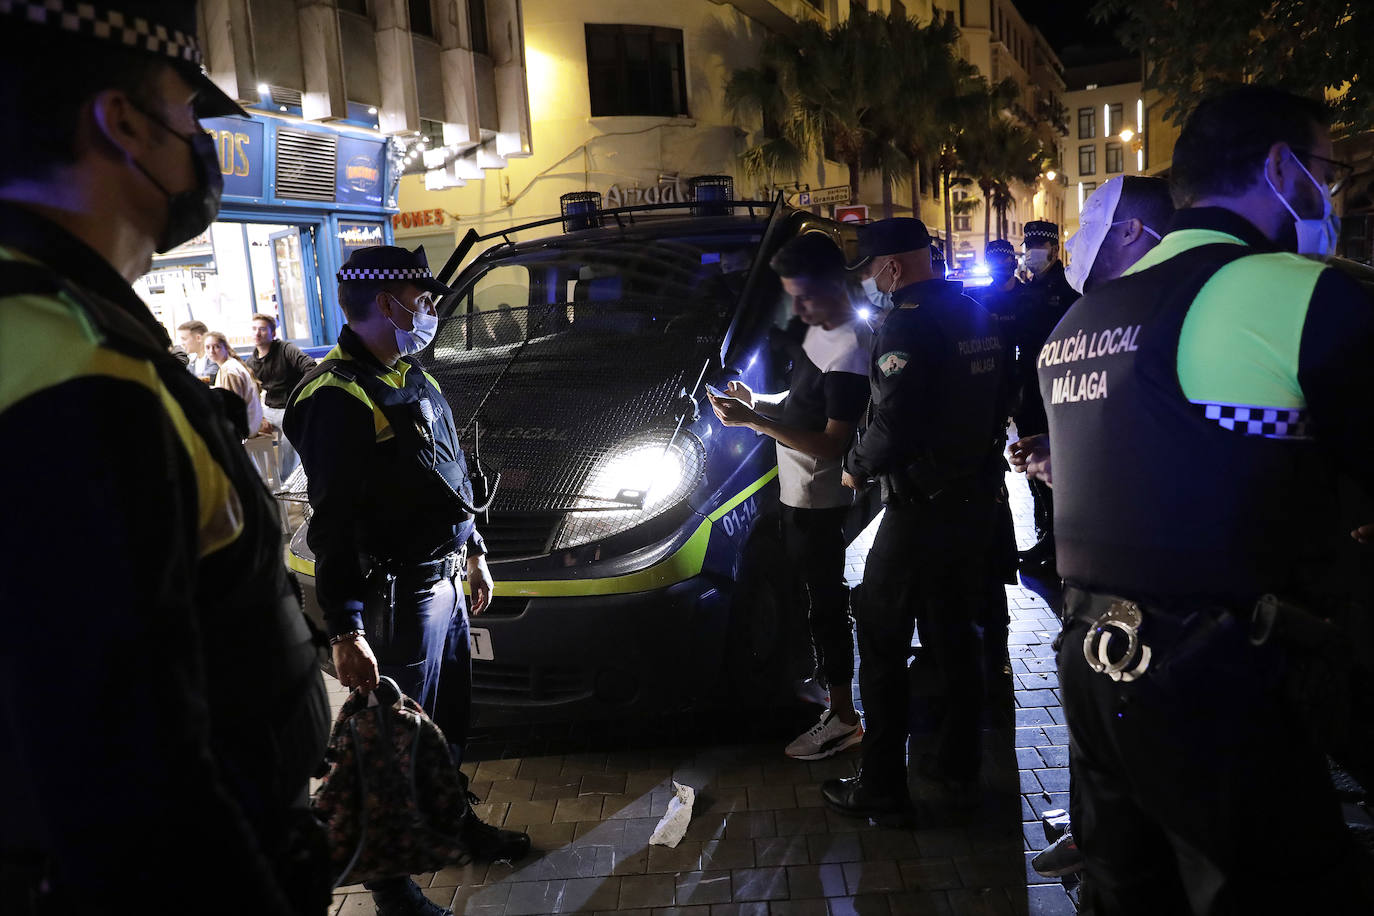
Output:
x=627 y=159
x=1102 y=141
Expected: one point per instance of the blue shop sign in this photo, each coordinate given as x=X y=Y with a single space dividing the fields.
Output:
x=240 y=147
x=360 y=170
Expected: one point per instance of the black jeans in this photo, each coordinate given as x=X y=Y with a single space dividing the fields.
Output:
x=813 y=540
x=1196 y=791
x=927 y=568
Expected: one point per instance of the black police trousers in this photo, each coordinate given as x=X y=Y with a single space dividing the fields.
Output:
x=417 y=625
x=1195 y=790
x=926 y=568
x=813 y=540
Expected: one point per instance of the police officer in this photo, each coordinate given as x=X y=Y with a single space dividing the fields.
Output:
x=163 y=707
x=1045 y=298
x=1197 y=406
x=1121 y=221
x=1001 y=298
x=393 y=522
x=932 y=431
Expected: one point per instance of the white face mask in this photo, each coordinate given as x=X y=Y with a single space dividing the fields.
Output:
x=423 y=328
x=1037 y=261
x=882 y=301
x=1316 y=237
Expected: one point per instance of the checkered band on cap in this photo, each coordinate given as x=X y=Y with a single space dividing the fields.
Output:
x=1038 y=231
x=1269 y=422
x=106 y=25
x=385 y=273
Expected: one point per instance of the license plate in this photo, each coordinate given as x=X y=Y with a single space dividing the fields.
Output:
x=479 y=644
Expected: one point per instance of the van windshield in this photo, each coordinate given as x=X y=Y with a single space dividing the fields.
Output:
x=682 y=287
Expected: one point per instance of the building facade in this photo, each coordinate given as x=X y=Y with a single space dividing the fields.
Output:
x=344 y=97
x=627 y=100
x=1110 y=131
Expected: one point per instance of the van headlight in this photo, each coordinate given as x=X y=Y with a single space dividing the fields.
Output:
x=639 y=479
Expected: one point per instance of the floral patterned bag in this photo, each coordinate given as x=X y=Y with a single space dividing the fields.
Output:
x=392 y=800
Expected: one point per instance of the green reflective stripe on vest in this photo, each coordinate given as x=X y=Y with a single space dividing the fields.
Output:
x=48 y=341
x=395 y=378
x=1177 y=242
x=1240 y=341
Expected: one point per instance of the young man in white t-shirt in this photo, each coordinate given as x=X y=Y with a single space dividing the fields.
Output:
x=813 y=423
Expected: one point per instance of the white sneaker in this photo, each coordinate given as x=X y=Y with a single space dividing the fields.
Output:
x=826 y=738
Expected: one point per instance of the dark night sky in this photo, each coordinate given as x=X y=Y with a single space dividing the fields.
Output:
x=1066 y=23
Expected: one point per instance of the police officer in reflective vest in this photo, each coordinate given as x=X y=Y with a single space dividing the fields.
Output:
x=393 y=525
x=931 y=442
x=162 y=706
x=1197 y=408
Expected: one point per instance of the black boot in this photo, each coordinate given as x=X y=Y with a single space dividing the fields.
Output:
x=493 y=844
x=855 y=798
x=1039 y=559
x=403 y=897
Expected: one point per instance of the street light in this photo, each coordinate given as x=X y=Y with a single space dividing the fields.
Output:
x=1051 y=175
x=1127 y=135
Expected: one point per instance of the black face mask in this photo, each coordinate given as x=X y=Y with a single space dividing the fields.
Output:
x=189 y=212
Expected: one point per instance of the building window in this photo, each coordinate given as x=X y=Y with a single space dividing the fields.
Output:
x=963 y=222
x=635 y=70
x=1087 y=159
x=898 y=8
x=421 y=18
x=477 y=26
x=354 y=6
x=1113 y=158
x=1089 y=187
x=1114 y=115
x=1087 y=123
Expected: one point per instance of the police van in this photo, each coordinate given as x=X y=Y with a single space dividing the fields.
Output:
x=632 y=538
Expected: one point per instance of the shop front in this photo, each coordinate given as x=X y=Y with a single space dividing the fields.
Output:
x=298 y=198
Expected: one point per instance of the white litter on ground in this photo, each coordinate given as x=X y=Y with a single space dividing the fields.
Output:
x=679 y=814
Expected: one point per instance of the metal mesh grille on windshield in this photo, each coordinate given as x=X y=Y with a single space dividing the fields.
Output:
x=562 y=402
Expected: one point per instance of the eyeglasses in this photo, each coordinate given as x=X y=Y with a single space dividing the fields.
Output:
x=1338 y=173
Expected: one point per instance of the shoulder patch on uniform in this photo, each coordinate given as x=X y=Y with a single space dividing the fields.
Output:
x=893 y=362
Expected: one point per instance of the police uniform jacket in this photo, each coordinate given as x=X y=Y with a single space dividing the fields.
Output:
x=383 y=460
x=1043 y=302
x=162 y=704
x=1197 y=408
x=935 y=385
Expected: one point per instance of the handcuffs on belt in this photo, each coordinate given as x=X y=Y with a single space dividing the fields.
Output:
x=1124 y=618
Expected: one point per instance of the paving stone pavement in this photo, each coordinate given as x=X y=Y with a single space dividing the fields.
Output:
x=760 y=842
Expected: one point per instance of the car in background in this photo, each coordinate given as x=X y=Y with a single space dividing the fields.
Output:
x=633 y=539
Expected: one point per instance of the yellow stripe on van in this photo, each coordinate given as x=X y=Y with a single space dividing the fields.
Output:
x=683 y=564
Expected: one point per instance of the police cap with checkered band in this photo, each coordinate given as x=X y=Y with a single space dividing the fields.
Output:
x=161 y=29
x=380 y=263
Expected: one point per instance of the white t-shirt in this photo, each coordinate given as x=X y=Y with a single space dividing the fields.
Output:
x=829 y=381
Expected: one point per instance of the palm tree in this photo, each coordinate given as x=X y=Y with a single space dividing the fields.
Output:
x=760 y=92
x=996 y=153
x=813 y=86
x=929 y=73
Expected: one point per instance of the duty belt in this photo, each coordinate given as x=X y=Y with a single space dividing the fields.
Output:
x=443 y=568
x=1112 y=618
